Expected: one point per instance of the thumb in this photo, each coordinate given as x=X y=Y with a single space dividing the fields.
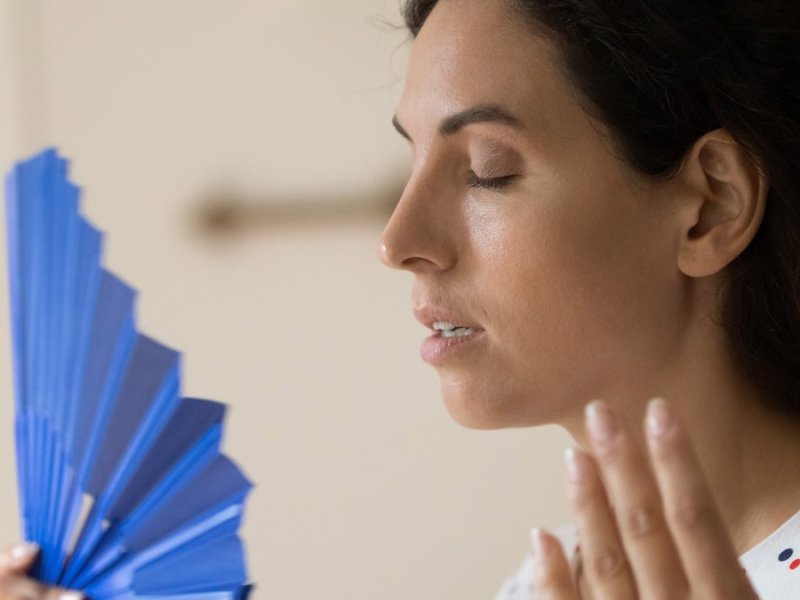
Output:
x=18 y=559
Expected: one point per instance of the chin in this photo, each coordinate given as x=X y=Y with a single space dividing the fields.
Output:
x=474 y=408
x=492 y=406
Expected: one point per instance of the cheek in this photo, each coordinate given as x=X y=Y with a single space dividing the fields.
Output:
x=538 y=293
x=574 y=288
x=531 y=278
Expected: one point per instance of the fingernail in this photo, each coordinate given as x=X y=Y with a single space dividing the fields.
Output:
x=576 y=464
x=540 y=544
x=601 y=422
x=22 y=552
x=659 y=419
x=70 y=595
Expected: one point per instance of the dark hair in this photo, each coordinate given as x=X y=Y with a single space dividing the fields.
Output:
x=662 y=73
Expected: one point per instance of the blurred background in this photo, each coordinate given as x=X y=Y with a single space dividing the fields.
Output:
x=239 y=156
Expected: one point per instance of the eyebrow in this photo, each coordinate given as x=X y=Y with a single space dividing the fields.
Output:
x=481 y=113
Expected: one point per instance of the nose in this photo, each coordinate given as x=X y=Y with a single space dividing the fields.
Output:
x=421 y=233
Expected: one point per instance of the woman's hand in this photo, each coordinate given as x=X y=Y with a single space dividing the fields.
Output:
x=664 y=538
x=14 y=585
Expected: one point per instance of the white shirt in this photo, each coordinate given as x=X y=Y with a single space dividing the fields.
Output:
x=773 y=565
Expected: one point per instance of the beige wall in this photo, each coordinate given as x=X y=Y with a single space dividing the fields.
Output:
x=366 y=488
x=8 y=504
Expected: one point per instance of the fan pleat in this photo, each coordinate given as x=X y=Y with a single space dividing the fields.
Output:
x=121 y=479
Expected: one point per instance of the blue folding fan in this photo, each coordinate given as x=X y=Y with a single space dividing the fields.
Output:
x=122 y=482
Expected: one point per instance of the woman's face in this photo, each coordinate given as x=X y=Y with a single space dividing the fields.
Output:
x=520 y=223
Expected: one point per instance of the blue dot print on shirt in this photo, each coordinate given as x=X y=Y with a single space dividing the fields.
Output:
x=786 y=555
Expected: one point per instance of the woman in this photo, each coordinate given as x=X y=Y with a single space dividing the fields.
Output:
x=605 y=203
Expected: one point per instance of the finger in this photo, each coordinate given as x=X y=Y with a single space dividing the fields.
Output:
x=18 y=558
x=604 y=562
x=637 y=503
x=702 y=538
x=15 y=587
x=552 y=577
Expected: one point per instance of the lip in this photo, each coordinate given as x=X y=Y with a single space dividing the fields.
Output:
x=435 y=349
x=428 y=315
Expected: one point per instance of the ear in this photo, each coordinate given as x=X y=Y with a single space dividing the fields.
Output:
x=724 y=204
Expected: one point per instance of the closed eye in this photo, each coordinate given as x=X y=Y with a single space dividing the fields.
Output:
x=489 y=183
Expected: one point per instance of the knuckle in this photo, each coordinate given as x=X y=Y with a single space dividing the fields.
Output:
x=639 y=521
x=608 y=564
x=545 y=579
x=611 y=453
x=548 y=581
x=583 y=497
x=689 y=515
x=15 y=587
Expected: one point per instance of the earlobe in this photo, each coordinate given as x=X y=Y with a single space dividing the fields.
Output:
x=727 y=195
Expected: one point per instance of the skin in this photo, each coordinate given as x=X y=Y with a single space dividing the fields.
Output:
x=645 y=532
x=15 y=562
x=587 y=279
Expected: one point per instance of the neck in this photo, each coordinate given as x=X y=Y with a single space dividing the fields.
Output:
x=746 y=450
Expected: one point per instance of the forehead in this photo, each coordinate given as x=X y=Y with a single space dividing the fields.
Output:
x=484 y=52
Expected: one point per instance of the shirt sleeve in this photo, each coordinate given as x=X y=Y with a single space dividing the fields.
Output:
x=519 y=586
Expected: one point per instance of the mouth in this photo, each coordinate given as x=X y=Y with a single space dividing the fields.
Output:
x=444 y=329
x=453 y=334
x=445 y=322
